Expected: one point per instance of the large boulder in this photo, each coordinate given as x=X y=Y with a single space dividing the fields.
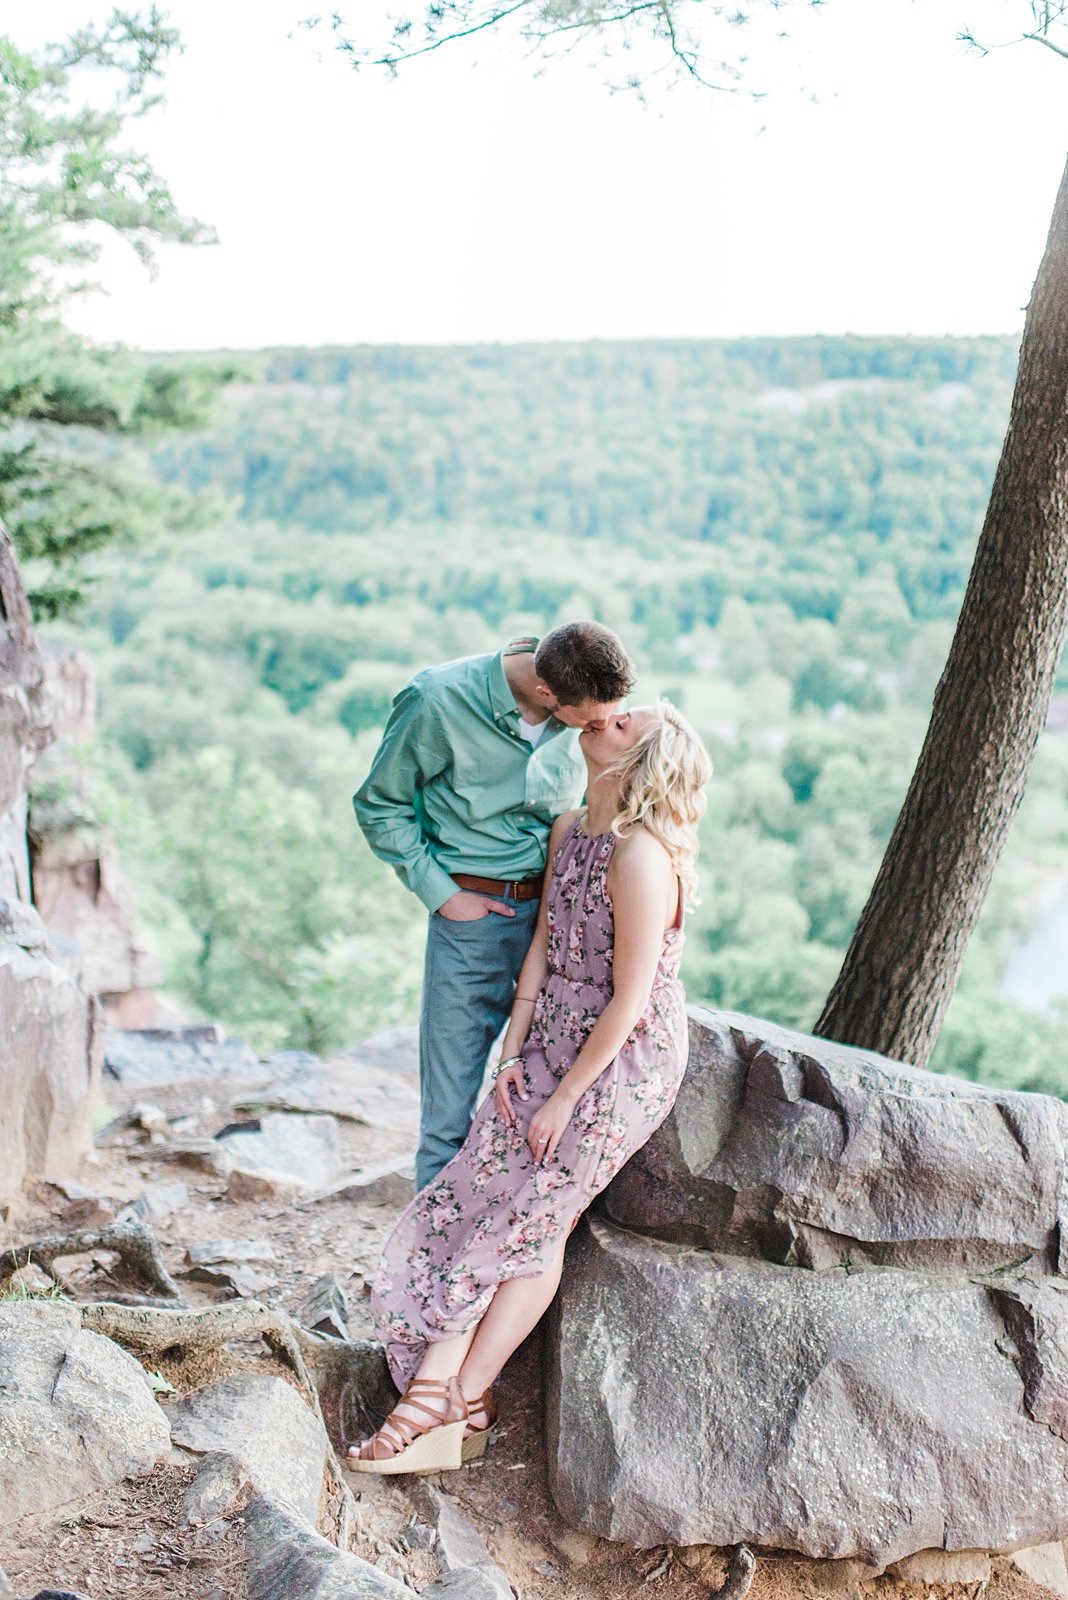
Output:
x=264 y=1424
x=198 y=1053
x=851 y=1413
x=49 y=1055
x=281 y=1152
x=797 y=1150
x=77 y=1413
x=287 y=1562
x=345 y=1086
x=824 y=1309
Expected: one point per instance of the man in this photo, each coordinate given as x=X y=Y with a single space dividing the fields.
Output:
x=478 y=757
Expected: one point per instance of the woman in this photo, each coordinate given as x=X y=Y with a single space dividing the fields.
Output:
x=594 y=1053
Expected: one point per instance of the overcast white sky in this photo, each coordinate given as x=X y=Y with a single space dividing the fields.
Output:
x=475 y=200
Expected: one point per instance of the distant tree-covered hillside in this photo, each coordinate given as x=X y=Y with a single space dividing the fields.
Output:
x=781 y=529
x=801 y=464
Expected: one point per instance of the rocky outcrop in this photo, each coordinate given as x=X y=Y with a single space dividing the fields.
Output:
x=198 y=1053
x=50 y=1060
x=25 y=721
x=805 y=1152
x=348 y=1085
x=823 y=1311
x=77 y=1414
x=286 y=1560
x=703 y=1399
x=281 y=1153
x=266 y=1426
x=78 y=887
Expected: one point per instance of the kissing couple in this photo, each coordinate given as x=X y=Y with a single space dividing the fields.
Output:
x=564 y=921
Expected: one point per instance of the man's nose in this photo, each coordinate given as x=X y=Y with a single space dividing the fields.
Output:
x=597 y=723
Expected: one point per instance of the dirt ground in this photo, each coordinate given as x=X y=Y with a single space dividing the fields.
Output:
x=128 y=1541
x=131 y=1542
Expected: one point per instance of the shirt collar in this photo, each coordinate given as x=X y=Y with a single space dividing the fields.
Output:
x=502 y=701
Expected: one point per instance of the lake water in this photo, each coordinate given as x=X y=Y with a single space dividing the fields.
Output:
x=1036 y=972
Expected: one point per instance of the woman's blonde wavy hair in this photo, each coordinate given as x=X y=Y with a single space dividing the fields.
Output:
x=664 y=777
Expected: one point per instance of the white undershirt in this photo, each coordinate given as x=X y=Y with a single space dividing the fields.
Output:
x=531 y=731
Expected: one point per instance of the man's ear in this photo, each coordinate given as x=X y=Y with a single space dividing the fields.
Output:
x=544 y=693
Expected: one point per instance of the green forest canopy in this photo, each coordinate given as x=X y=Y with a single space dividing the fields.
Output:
x=780 y=528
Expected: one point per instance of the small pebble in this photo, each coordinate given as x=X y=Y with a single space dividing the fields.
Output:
x=418 y=1536
x=218 y=1528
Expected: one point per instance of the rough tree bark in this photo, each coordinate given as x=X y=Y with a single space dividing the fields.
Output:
x=901 y=968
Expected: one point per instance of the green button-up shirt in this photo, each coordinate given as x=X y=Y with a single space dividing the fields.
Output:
x=455 y=787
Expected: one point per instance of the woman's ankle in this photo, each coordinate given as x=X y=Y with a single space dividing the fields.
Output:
x=474 y=1387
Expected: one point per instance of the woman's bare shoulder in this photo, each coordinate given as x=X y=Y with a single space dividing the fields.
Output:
x=637 y=847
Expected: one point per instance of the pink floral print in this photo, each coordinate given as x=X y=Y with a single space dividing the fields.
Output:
x=494 y=1213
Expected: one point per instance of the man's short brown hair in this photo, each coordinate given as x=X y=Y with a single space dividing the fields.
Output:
x=584 y=661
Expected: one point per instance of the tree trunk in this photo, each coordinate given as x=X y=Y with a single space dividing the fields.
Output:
x=902 y=966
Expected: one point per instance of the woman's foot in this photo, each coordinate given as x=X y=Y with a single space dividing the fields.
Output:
x=481 y=1415
x=423 y=1433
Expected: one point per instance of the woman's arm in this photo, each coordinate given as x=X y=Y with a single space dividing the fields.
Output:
x=641 y=880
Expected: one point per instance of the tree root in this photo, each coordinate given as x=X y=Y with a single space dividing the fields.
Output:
x=151 y=1330
x=740 y=1572
x=132 y=1240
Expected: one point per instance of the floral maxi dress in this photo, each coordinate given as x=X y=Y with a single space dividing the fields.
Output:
x=494 y=1212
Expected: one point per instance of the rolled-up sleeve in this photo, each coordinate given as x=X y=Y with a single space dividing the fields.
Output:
x=412 y=752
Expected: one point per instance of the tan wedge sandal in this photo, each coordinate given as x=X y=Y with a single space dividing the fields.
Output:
x=476 y=1435
x=436 y=1445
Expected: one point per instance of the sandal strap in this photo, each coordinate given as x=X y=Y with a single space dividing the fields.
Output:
x=407 y=1429
x=486 y=1404
x=432 y=1412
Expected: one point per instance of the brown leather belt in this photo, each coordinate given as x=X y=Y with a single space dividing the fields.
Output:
x=524 y=889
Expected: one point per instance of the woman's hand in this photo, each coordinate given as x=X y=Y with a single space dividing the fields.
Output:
x=547 y=1126
x=510 y=1080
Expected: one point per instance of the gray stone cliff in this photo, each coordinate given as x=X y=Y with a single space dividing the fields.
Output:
x=50 y=1034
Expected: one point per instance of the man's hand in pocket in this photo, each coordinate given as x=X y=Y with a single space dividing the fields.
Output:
x=466 y=906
